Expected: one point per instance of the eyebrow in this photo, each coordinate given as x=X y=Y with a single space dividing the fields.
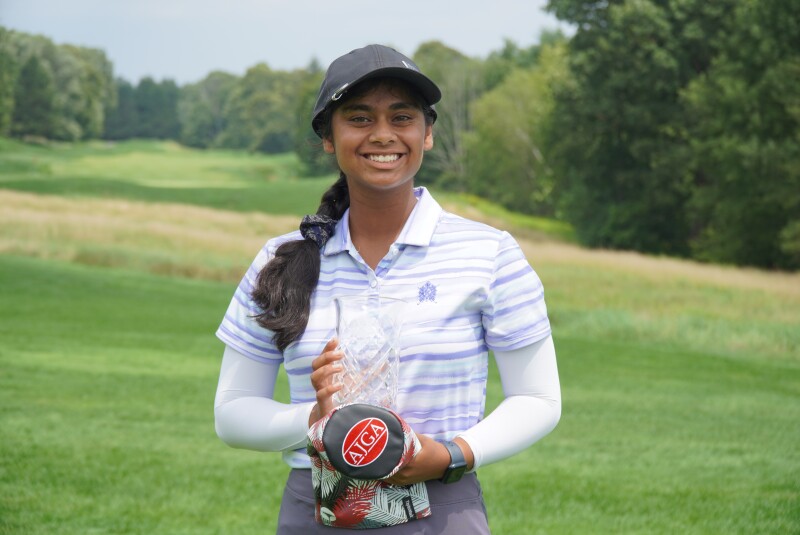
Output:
x=356 y=106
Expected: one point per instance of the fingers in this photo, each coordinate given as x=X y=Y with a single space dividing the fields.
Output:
x=429 y=463
x=323 y=377
x=329 y=354
x=407 y=475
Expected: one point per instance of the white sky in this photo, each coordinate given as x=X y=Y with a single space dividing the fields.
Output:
x=186 y=39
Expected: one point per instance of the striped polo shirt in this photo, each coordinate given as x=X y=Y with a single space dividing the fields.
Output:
x=467 y=286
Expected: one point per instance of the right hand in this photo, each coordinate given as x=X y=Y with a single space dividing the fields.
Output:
x=324 y=369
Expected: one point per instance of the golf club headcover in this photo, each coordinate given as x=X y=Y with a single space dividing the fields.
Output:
x=353 y=449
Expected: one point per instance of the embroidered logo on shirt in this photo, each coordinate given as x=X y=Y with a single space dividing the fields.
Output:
x=427 y=292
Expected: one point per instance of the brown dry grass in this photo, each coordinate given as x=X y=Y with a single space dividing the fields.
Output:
x=542 y=249
x=660 y=268
x=157 y=237
x=592 y=292
x=94 y=231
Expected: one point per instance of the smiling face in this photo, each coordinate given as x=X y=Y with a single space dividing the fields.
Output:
x=379 y=137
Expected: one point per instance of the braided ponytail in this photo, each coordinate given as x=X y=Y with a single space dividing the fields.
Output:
x=284 y=286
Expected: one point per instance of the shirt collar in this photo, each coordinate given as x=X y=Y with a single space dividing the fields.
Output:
x=418 y=229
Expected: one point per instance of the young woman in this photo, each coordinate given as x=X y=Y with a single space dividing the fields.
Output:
x=468 y=287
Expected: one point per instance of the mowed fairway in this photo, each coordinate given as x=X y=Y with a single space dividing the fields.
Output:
x=107 y=393
x=681 y=382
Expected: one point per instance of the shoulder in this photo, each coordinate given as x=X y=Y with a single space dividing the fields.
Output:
x=273 y=243
x=476 y=240
x=434 y=219
x=267 y=252
x=469 y=230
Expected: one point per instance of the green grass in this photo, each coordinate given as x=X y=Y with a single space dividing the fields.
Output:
x=671 y=312
x=158 y=171
x=107 y=389
x=656 y=441
x=521 y=225
x=681 y=383
x=162 y=172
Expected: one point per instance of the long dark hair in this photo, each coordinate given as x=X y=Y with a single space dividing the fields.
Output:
x=284 y=286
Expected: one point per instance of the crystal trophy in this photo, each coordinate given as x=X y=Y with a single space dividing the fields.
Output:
x=368 y=329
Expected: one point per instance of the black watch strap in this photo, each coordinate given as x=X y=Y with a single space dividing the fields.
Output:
x=457 y=466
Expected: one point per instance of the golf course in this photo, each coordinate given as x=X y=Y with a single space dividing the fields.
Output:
x=680 y=380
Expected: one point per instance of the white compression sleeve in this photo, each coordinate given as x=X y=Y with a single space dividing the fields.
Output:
x=245 y=414
x=531 y=409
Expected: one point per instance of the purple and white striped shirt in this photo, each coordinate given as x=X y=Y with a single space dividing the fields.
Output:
x=468 y=287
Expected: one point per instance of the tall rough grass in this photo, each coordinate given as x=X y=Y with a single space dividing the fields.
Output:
x=623 y=296
x=162 y=238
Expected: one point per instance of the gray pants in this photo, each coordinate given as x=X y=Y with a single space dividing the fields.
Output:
x=457 y=508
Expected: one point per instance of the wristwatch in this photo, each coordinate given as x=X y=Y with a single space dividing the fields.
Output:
x=458 y=465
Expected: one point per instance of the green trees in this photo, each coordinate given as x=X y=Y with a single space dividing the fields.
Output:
x=664 y=126
x=511 y=128
x=59 y=92
x=121 y=121
x=201 y=109
x=745 y=138
x=157 y=109
x=8 y=75
x=460 y=79
x=147 y=110
x=33 y=113
x=618 y=143
x=259 y=113
x=306 y=144
x=680 y=132
x=94 y=93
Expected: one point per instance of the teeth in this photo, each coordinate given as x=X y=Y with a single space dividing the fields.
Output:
x=383 y=158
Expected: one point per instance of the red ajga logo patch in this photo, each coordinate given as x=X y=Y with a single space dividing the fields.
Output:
x=365 y=442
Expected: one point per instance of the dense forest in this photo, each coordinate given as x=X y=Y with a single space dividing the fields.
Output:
x=662 y=126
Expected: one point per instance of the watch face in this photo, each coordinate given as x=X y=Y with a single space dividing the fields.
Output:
x=454 y=474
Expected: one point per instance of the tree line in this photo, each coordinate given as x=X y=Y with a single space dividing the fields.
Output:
x=662 y=126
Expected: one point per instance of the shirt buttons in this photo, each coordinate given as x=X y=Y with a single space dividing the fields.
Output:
x=373 y=283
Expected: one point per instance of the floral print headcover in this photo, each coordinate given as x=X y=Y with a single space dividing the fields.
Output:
x=349 y=486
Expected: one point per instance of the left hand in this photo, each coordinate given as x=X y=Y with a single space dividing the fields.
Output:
x=430 y=463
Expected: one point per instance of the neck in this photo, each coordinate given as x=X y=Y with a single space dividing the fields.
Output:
x=376 y=221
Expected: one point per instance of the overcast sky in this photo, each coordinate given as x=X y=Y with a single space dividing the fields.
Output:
x=186 y=39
